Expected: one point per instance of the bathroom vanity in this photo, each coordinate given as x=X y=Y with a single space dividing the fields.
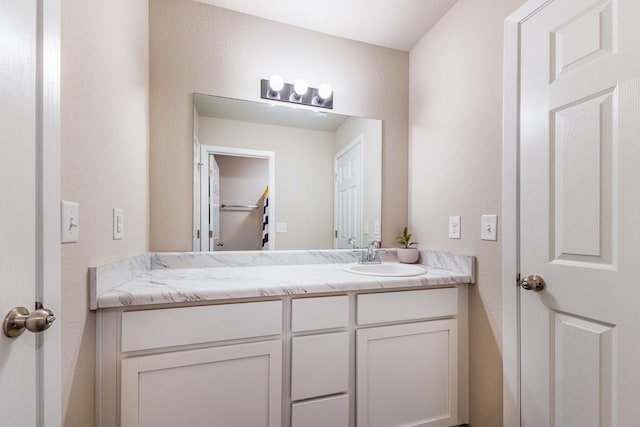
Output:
x=291 y=340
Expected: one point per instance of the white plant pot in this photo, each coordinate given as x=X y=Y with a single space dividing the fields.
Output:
x=407 y=255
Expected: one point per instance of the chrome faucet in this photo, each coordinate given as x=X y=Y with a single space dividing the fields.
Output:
x=352 y=242
x=371 y=255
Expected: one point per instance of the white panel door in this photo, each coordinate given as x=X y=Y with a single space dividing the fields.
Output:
x=30 y=192
x=348 y=197
x=579 y=221
x=18 y=63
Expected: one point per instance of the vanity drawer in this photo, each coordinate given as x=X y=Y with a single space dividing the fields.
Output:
x=147 y=329
x=319 y=365
x=406 y=305
x=331 y=411
x=308 y=314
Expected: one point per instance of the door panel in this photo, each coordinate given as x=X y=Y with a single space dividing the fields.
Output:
x=584 y=368
x=582 y=179
x=579 y=150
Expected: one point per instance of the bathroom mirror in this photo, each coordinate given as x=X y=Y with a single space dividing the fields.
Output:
x=283 y=177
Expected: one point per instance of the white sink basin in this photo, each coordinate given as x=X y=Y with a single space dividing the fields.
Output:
x=388 y=269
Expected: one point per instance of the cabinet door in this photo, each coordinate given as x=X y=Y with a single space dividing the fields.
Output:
x=407 y=375
x=238 y=385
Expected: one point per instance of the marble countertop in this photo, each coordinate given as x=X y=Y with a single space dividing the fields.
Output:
x=180 y=285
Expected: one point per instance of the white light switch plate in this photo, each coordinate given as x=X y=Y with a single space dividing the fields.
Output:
x=70 y=222
x=489 y=227
x=281 y=227
x=118 y=224
x=454 y=227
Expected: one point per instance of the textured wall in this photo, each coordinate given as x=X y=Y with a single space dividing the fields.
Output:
x=201 y=48
x=104 y=132
x=455 y=169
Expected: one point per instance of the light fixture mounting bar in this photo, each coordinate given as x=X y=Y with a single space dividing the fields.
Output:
x=287 y=94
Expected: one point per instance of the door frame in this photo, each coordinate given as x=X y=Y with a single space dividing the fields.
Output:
x=270 y=156
x=510 y=211
x=355 y=143
x=48 y=288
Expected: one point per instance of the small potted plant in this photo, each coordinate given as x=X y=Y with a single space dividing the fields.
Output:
x=406 y=254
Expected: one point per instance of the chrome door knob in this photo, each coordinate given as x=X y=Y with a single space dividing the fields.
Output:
x=533 y=282
x=20 y=319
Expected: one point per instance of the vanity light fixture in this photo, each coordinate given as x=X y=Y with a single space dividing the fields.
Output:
x=297 y=93
x=275 y=86
x=325 y=92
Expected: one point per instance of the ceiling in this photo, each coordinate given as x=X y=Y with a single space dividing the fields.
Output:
x=396 y=24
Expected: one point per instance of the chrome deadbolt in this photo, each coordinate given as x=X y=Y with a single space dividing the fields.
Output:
x=20 y=319
x=533 y=282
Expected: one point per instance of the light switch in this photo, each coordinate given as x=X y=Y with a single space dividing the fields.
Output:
x=454 y=227
x=376 y=227
x=70 y=222
x=118 y=224
x=281 y=227
x=365 y=227
x=489 y=227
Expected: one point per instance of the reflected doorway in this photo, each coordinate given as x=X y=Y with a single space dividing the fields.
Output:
x=236 y=199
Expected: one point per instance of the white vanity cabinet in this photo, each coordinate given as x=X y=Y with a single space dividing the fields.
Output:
x=215 y=365
x=356 y=359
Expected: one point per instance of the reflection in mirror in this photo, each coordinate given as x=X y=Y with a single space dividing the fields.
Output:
x=279 y=177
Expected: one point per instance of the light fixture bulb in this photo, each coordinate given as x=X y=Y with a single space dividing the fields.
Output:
x=325 y=91
x=276 y=83
x=300 y=87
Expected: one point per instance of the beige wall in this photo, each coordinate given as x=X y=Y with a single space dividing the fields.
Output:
x=200 y=48
x=303 y=175
x=455 y=168
x=104 y=107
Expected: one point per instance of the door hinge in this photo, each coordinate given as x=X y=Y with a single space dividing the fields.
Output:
x=197 y=234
